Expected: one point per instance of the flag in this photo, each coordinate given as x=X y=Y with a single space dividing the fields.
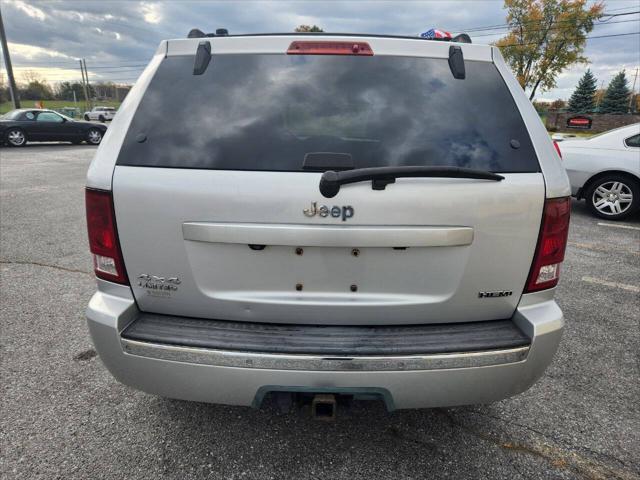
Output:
x=434 y=34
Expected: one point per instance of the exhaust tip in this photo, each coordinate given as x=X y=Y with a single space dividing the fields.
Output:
x=323 y=407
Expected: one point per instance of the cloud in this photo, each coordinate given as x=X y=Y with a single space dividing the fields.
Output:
x=118 y=34
x=29 y=10
x=151 y=12
x=33 y=52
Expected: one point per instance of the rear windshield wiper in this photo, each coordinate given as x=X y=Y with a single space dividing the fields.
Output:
x=382 y=176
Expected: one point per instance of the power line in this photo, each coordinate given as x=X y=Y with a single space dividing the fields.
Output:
x=587 y=37
x=541 y=22
x=74 y=62
x=551 y=29
x=142 y=65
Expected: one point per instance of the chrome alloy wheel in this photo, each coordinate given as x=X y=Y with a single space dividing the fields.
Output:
x=94 y=136
x=612 y=198
x=16 y=138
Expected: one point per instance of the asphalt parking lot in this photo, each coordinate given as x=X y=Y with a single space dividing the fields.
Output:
x=63 y=416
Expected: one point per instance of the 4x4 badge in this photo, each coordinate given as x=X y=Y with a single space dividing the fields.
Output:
x=345 y=211
x=152 y=282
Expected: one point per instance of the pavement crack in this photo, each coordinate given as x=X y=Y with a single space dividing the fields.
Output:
x=40 y=264
x=558 y=457
x=558 y=440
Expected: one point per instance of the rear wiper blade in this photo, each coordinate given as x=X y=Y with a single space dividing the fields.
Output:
x=380 y=177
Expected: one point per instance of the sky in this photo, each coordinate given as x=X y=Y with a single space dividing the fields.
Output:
x=118 y=38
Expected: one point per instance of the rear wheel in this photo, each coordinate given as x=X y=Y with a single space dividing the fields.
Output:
x=16 y=137
x=86 y=117
x=613 y=197
x=101 y=118
x=94 y=136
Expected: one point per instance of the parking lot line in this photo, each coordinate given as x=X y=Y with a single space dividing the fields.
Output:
x=618 y=225
x=623 y=286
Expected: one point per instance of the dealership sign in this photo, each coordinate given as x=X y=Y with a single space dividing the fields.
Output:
x=579 y=121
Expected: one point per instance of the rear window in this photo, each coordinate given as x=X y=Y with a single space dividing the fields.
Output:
x=266 y=112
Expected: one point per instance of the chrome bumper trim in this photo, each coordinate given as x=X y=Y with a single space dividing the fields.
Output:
x=222 y=358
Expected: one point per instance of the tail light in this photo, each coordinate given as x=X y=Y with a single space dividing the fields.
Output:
x=552 y=242
x=329 y=48
x=103 y=237
x=555 y=144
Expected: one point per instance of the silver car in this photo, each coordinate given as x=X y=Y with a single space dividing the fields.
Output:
x=370 y=216
x=604 y=170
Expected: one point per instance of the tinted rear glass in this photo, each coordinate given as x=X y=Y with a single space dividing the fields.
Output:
x=266 y=112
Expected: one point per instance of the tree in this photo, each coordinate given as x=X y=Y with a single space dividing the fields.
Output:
x=583 y=99
x=36 y=90
x=545 y=38
x=30 y=76
x=65 y=90
x=4 y=90
x=308 y=29
x=558 y=104
x=616 y=98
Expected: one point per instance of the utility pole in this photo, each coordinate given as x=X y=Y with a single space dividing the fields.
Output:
x=86 y=76
x=633 y=90
x=84 y=88
x=7 y=61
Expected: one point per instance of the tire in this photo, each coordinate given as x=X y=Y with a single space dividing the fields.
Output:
x=86 y=117
x=101 y=118
x=16 y=137
x=94 y=136
x=613 y=196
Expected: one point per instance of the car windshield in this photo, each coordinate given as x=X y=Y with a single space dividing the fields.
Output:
x=268 y=112
x=68 y=119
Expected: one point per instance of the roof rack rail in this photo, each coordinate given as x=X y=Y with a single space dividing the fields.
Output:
x=197 y=33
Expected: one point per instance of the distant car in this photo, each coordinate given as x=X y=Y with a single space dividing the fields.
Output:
x=18 y=127
x=101 y=114
x=604 y=170
x=559 y=137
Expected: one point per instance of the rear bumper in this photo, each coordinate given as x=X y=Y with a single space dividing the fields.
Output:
x=405 y=381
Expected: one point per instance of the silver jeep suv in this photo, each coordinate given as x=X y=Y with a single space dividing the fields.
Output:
x=329 y=214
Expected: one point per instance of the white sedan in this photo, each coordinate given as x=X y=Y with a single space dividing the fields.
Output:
x=604 y=170
x=101 y=114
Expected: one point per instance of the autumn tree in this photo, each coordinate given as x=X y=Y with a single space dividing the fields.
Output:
x=545 y=38
x=308 y=29
x=583 y=98
x=616 y=98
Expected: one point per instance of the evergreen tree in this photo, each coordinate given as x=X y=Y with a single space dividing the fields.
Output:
x=616 y=98
x=583 y=99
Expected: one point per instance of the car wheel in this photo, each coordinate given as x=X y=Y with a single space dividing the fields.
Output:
x=86 y=117
x=613 y=197
x=16 y=137
x=101 y=118
x=94 y=136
